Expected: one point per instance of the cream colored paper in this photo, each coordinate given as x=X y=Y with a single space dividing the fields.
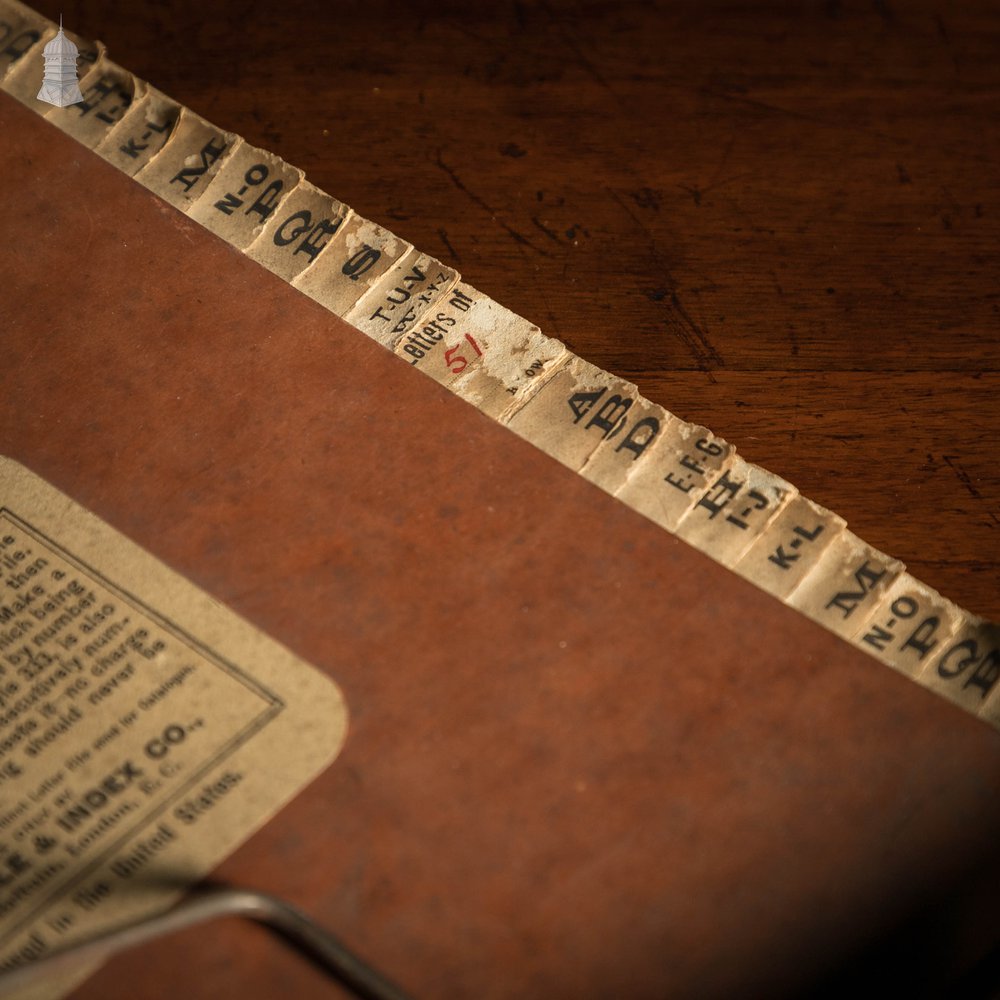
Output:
x=576 y=409
x=142 y=132
x=486 y=354
x=243 y=195
x=791 y=545
x=735 y=510
x=466 y=312
x=21 y=33
x=192 y=156
x=295 y=236
x=145 y=730
x=404 y=295
x=909 y=625
x=24 y=77
x=108 y=91
x=845 y=584
x=677 y=469
x=355 y=261
x=508 y=380
x=966 y=669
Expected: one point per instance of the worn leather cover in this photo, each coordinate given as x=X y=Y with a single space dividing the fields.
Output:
x=584 y=760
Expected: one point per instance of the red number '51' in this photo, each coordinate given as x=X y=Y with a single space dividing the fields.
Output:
x=456 y=362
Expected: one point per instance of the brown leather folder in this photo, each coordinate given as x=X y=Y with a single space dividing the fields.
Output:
x=584 y=760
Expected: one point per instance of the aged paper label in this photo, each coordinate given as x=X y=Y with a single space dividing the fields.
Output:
x=486 y=354
x=24 y=78
x=404 y=295
x=21 y=30
x=142 y=132
x=108 y=92
x=244 y=194
x=296 y=235
x=910 y=623
x=185 y=166
x=791 y=545
x=845 y=584
x=357 y=258
x=678 y=469
x=614 y=459
x=735 y=510
x=145 y=730
x=966 y=668
x=577 y=408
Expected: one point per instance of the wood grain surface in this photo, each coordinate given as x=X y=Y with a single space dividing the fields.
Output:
x=780 y=220
x=584 y=760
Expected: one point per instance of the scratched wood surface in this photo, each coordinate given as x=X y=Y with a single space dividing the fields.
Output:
x=781 y=221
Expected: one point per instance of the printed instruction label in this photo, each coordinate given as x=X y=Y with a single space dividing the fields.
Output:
x=145 y=731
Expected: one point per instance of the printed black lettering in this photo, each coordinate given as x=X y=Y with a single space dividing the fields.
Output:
x=398 y=295
x=866 y=578
x=132 y=147
x=189 y=176
x=783 y=559
x=268 y=200
x=709 y=447
x=809 y=536
x=461 y=301
x=362 y=261
x=689 y=462
x=640 y=437
x=229 y=202
x=19 y=46
x=985 y=668
x=610 y=417
x=921 y=638
x=94 y=799
x=951 y=665
x=581 y=403
x=318 y=238
x=718 y=495
x=878 y=637
x=283 y=238
x=414 y=277
x=758 y=502
x=684 y=485
x=986 y=672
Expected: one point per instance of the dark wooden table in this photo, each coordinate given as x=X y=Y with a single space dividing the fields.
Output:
x=781 y=221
